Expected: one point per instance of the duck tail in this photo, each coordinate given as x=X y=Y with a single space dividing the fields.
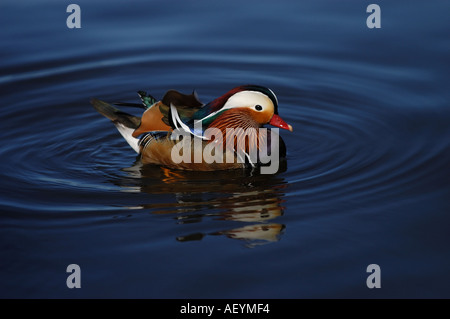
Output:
x=147 y=101
x=124 y=122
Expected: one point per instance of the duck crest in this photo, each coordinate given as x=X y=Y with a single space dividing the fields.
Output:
x=218 y=103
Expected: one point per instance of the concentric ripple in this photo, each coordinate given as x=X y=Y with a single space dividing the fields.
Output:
x=342 y=145
x=365 y=181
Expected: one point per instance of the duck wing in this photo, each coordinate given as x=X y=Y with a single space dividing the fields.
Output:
x=185 y=104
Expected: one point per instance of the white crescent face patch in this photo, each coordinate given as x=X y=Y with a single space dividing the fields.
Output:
x=248 y=99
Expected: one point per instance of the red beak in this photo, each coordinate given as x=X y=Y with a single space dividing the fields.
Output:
x=278 y=122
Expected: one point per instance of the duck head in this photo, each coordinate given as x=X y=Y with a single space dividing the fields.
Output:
x=244 y=106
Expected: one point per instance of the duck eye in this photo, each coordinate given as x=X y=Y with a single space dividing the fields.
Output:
x=258 y=107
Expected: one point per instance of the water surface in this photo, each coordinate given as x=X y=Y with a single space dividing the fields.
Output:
x=367 y=173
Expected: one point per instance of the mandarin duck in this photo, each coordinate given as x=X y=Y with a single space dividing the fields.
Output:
x=180 y=132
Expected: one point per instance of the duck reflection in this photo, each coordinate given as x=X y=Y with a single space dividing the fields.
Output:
x=236 y=196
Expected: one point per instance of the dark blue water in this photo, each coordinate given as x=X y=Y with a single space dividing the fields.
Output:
x=367 y=175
